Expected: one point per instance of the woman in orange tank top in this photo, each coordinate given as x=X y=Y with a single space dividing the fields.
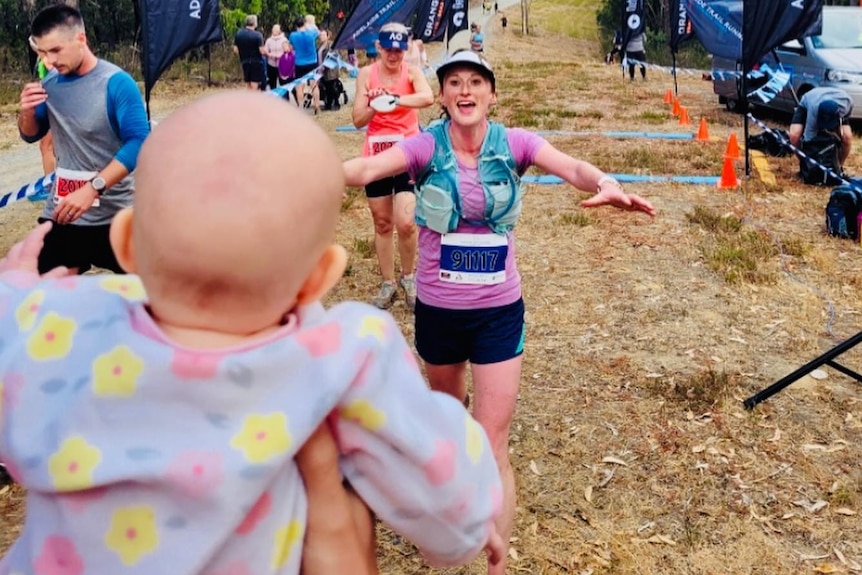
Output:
x=391 y=200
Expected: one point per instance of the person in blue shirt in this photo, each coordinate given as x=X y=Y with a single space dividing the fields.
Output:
x=96 y=115
x=304 y=42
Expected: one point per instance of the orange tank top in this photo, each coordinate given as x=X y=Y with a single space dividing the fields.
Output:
x=385 y=130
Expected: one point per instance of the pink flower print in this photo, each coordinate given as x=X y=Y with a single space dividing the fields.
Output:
x=456 y=513
x=441 y=467
x=78 y=501
x=59 y=557
x=232 y=569
x=189 y=365
x=322 y=340
x=255 y=515
x=197 y=474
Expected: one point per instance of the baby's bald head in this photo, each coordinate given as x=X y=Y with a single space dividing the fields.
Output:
x=237 y=198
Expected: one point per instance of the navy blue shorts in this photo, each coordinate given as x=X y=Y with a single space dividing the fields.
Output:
x=489 y=335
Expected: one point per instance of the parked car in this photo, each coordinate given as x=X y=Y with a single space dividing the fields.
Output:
x=832 y=59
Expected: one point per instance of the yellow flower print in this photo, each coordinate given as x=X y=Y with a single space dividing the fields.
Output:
x=475 y=445
x=375 y=326
x=132 y=533
x=285 y=539
x=72 y=466
x=28 y=310
x=52 y=338
x=263 y=437
x=116 y=372
x=365 y=414
x=130 y=287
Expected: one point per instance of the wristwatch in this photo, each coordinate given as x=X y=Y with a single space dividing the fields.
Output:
x=98 y=184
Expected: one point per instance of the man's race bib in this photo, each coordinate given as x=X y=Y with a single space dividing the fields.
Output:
x=379 y=144
x=473 y=258
x=70 y=181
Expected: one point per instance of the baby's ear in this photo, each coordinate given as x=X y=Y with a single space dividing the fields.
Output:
x=121 y=239
x=326 y=273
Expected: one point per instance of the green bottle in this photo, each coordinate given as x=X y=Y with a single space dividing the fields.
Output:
x=41 y=70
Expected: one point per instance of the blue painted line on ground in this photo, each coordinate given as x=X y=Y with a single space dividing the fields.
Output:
x=629 y=178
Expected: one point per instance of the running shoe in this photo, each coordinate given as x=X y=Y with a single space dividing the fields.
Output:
x=386 y=297
x=408 y=284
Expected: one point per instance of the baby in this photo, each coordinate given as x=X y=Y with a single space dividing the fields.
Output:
x=156 y=433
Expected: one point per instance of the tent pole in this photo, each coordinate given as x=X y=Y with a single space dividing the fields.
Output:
x=744 y=97
x=675 y=85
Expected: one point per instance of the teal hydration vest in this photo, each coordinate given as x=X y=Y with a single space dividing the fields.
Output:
x=438 y=204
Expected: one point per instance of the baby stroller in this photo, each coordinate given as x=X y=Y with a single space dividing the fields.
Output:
x=332 y=92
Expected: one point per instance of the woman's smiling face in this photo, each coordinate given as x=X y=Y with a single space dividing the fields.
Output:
x=467 y=95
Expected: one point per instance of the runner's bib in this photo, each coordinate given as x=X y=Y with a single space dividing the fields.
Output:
x=378 y=144
x=70 y=181
x=473 y=258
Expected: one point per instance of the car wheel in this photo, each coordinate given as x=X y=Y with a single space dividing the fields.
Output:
x=733 y=105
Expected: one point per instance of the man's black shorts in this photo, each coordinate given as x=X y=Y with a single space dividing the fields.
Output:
x=80 y=247
x=252 y=72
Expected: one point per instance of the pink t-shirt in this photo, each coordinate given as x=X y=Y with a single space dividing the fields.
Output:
x=431 y=289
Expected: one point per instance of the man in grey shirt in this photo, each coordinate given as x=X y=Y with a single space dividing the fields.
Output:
x=826 y=109
x=96 y=113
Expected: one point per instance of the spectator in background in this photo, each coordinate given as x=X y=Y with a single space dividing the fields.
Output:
x=505 y=22
x=287 y=70
x=275 y=47
x=823 y=109
x=477 y=39
x=371 y=54
x=248 y=44
x=304 y=42
x=617 y=47
x=329 y=74
x=635 y=50
x=416 y=54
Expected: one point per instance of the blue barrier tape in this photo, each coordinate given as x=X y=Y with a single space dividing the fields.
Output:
x=34 y=191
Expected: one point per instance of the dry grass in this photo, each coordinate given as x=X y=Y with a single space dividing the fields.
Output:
x=632 y=452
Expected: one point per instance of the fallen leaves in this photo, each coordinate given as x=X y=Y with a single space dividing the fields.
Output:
x=656 y=540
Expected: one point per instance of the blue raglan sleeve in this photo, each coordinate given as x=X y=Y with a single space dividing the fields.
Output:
x=415 y=456
x=128 y=117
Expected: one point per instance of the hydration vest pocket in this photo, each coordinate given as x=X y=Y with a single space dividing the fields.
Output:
x=435 y=209
x=504 y=204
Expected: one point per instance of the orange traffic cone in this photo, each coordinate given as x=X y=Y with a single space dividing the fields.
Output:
x=702 y=131
x=675 y=109
x=732 y=151
x=684 y=120
x=668 y=96
x=728 y=175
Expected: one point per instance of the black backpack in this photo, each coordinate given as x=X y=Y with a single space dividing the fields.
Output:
x=842 y=210
x=825 y=149
x=770 y=142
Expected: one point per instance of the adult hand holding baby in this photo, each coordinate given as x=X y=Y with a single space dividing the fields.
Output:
x=24 y=256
